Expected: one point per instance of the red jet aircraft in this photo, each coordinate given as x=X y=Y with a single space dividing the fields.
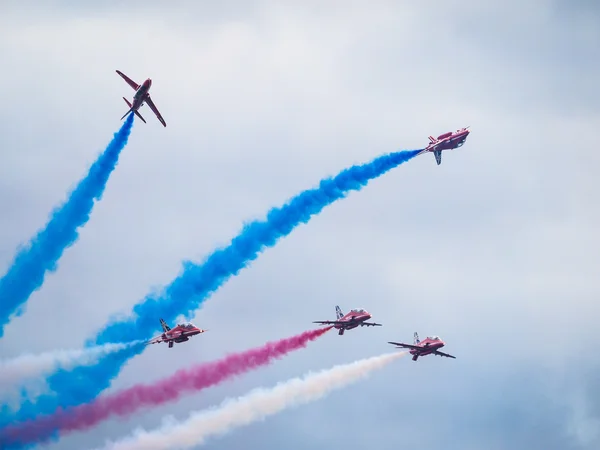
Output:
x=429 y=346
x=180 y=333
x=140 y=97
x=446 y=141
x=356 y=317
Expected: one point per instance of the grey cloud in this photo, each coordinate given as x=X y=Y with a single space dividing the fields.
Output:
x=495 y=250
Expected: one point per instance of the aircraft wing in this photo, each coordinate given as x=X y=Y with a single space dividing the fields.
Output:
x=371 y=324
x=129 y=81
x=330 y=322
x=155 y=340
x=192 y=333
x=412 y=347
x=154 y=109
x=443 y=354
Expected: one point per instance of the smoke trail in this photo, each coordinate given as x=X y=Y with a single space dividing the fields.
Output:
x=128 y=401
x=256 y=405
x=27 y=366
x=197 y=281
x=26 y=274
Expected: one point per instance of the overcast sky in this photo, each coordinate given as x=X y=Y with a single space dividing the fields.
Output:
x=496 y=250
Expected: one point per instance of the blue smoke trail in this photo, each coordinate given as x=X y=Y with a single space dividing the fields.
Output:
x=196 y=282
x=26 y=274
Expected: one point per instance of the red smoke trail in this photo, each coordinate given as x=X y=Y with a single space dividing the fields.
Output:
x=130 y=400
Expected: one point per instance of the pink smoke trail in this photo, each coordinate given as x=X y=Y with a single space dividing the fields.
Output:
x=128 y=401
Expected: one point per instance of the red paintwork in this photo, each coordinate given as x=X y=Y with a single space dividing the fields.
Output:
x=428 y=346
x=355 y=318
x=140 y=98
x=181 y=333
x=446 y=141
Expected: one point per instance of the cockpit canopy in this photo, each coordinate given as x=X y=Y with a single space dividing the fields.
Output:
x=187 y=325
x=434 y=338
x=358 y=311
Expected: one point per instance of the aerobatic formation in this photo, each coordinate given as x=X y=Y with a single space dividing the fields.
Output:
x=75 y=379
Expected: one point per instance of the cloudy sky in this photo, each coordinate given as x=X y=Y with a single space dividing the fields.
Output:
x=495 y=250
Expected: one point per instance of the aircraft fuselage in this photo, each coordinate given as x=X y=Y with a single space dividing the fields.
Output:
x=175 y=336
x=352 y=323
x=426 y=349
x=455 y=140
x=140 y=94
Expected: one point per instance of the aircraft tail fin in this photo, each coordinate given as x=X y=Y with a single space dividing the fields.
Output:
x=438 y=156
x=164 y=325
x=416 y=339
x=338 y=312
x=130 y=109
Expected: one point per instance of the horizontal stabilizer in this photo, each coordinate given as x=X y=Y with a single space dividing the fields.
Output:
x=370 y=324
x=140 y=116
x=136 y=113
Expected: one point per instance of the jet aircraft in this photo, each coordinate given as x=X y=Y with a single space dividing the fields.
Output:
x=356 y=317
x=140 y=97
x=446 y=141
x=430 y=345
x=180 y=333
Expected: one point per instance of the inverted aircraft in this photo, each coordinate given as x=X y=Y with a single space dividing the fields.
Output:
x=430 y=345
x=356 y=317
x=446 y=141
x=181 y=333
x=140 y=97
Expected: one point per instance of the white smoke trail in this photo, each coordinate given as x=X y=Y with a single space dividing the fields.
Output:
x=254 y=406
x=13 y=371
